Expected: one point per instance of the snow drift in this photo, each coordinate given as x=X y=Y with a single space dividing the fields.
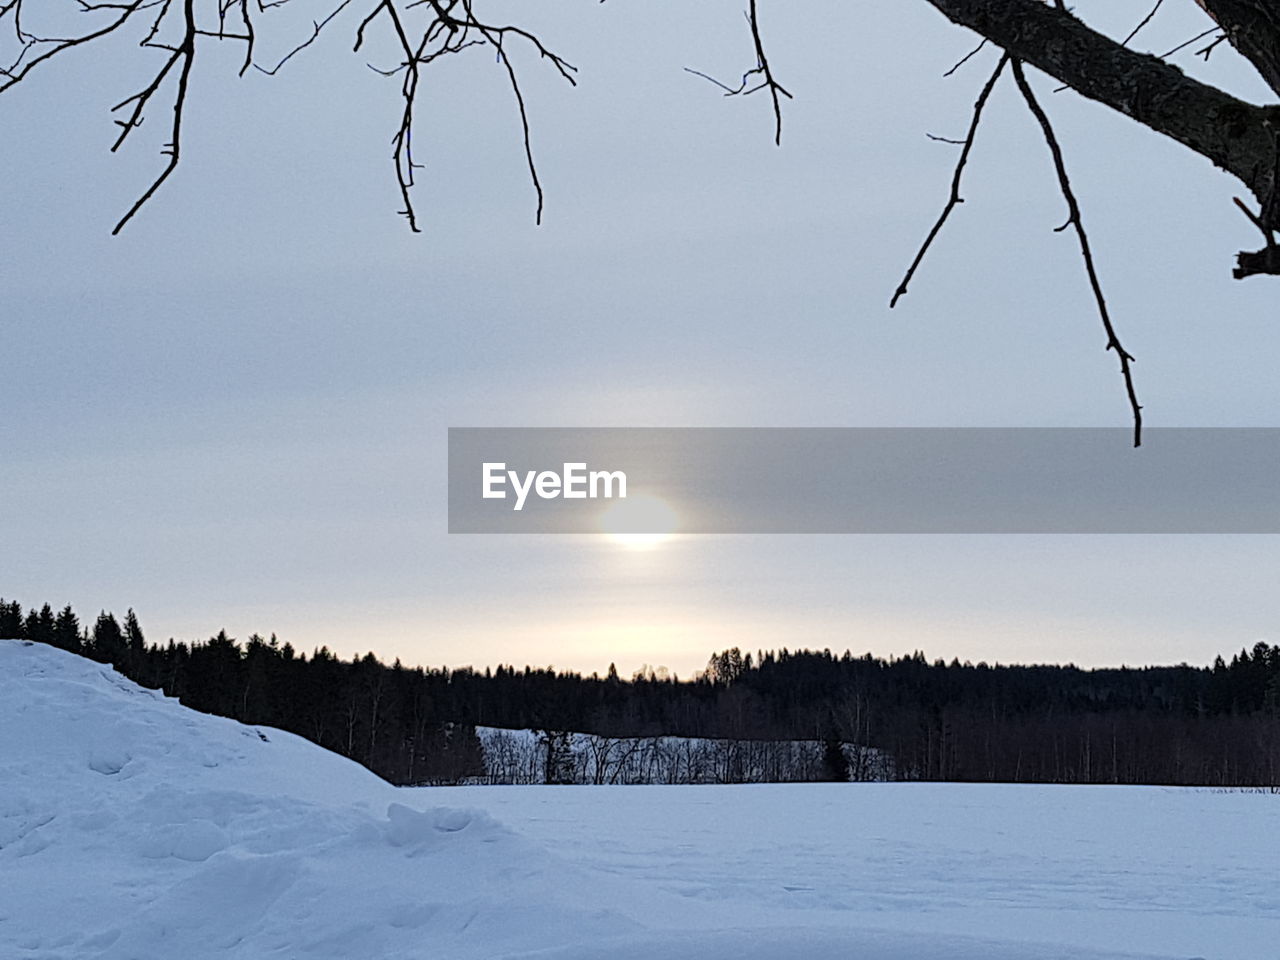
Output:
x=132 y=827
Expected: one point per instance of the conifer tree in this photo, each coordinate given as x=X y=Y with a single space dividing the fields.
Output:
x=66 y=630
x=108 y=640
x=11 y=626
x=39 y=626
x=835 y=763
x=137 y=644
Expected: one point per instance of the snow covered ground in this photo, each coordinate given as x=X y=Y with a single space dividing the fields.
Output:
x=134 y=829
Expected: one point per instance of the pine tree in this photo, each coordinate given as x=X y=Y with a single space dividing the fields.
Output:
x=39 y=626
x=835 y=763
x=11 y=627
x=108 y=643
x=137 y=645
x=66 y=630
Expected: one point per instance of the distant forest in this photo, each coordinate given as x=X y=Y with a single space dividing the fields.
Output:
x=1216 y=726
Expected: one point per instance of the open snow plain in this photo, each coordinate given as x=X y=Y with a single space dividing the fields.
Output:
x=132 y=828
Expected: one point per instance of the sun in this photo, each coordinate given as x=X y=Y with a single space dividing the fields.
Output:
x=641 y=522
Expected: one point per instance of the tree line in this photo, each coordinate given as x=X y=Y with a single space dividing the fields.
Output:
x=1217 y=725
x=528 y=757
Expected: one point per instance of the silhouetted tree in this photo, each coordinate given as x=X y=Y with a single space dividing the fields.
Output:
x=11 y=625
x=108 y=641
x=40 y=626
x=66 y=630
x=835 y=763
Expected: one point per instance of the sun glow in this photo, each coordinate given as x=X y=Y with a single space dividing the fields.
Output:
x=641 y=522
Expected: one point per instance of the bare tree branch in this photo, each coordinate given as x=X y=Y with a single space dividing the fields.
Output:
x=1186 y=43
x=955 y=198
x=767 y=81
x=1253 y=28
x=317 y=27
x=451 y=28
x=1235 y=135
x=967 y=57
x=1074 y=220
x=495 y=37
x=21 y=67
x=760 y=77
x=185 y=54
x=1145 y=20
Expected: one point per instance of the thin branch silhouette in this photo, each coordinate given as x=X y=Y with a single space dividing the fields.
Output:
x=954 y=199
x=1074 y=220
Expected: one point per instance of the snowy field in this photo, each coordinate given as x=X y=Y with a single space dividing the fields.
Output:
x=134 y=829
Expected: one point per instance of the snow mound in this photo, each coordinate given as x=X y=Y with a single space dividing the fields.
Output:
x=134 y=828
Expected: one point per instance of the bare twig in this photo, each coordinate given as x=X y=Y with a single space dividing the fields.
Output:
x=1074 y=220
x=251 y=36
x=524 y=125
x=1145 y=20
x=760 y=77
x=1207 y=51
x=317 y=26
x=140 y=101
x=21 y=67
x=452 y=27
x=1267 y=233
x=766 y=73
x=185 y=54
x=955 y=197
x=1186 y=43
x=402 y=141
x=967 y=57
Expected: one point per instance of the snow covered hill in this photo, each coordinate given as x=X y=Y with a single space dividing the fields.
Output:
x=132 y=828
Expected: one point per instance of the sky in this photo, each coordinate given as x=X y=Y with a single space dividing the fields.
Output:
x=234 y=414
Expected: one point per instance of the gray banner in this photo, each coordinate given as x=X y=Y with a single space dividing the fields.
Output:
x=863 y=480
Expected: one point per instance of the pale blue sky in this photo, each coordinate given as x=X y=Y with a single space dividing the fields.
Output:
x=235 y=413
